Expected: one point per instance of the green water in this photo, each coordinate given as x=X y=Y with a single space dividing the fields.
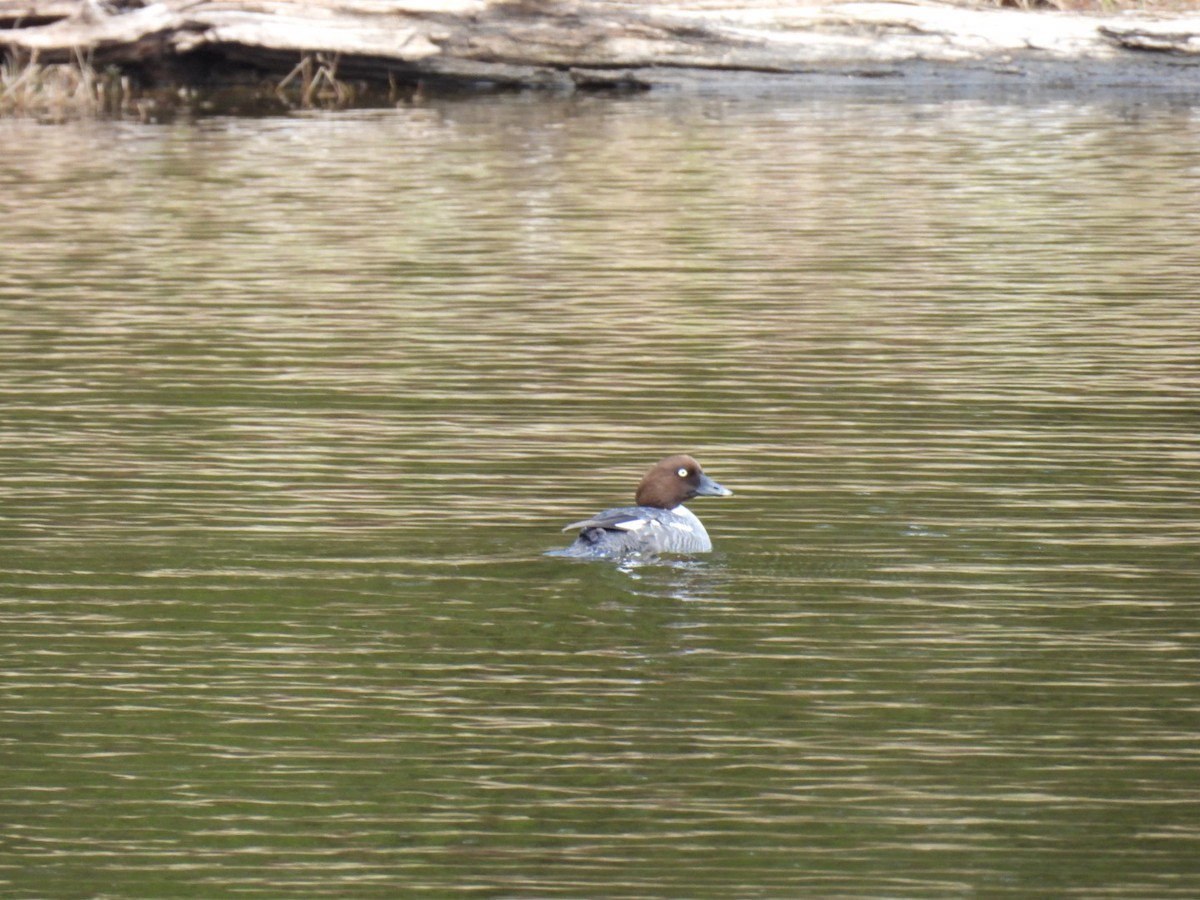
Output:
x=292 y=407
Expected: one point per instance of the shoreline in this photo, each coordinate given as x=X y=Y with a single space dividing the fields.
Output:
x=354 y=52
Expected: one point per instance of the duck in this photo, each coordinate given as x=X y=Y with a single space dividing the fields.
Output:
x=658 y=524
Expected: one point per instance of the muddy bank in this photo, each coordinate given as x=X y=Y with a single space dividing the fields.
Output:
x=322 y=47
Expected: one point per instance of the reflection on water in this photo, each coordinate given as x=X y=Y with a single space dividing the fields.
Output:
x=292 y=407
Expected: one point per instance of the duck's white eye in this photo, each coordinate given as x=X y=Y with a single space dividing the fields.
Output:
x=682 y=473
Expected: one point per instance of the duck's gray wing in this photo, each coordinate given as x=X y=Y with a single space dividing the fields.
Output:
x=626 y=518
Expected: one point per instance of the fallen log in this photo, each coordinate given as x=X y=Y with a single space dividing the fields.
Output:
x=1180 y=36
x=572 y=43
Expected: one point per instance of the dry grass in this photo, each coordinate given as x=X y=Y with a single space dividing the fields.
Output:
x=56 y=92
x=319 y=85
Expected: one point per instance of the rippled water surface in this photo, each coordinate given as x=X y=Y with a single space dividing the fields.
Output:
x=292 y=407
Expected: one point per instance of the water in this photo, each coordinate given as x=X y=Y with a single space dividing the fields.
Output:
x=291 y=408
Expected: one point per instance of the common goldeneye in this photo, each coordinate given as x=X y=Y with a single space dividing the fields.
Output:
x=660 y=523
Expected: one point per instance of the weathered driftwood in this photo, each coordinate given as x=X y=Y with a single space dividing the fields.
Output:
x=1171 y=36
x=576 y=41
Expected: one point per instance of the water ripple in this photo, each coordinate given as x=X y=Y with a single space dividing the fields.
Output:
x=292 y=408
